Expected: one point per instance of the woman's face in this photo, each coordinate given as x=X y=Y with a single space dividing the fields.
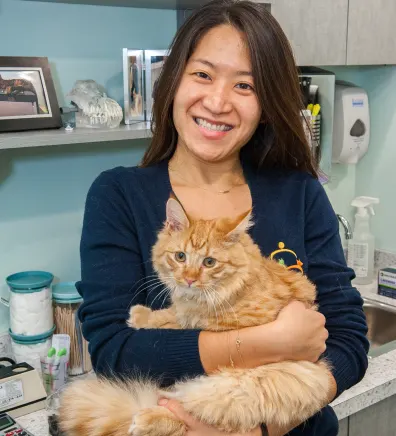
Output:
x=216 y=110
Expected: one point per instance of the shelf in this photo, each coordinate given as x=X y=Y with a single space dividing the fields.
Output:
x=42 y=138
x=150 y=4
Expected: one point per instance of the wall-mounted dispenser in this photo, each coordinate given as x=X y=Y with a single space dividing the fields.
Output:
x=351 y=134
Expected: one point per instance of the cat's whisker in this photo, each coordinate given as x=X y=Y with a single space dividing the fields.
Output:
x=221 y=301
x=220 y=304
x=164 y=291
x=139 y=290
x=206 y=300
x=233 y=311
x=214 y=307
x=165 y=296
x=148 y=283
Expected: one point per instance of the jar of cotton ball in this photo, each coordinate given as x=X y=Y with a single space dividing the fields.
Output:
x=30 y=303
x=31 y=349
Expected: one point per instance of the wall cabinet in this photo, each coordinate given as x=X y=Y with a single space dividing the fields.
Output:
x=321 y=32
x=371 y=32
x=317 y=29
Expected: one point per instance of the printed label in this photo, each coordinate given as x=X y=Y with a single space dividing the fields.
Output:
x=357 y=102
x=387 y=279
x=11 y=393
x=358 y=258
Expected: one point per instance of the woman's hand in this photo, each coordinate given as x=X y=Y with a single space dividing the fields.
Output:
x=297 y=334
x=196 y=428
x=301 y=333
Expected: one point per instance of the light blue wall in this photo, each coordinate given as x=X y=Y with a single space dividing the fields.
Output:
x=82 y=41
x=42 y=191
x=374 y=174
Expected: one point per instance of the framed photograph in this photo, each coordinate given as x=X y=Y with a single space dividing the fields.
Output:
x=133 y=71
x=27 y=95
x=154 y=61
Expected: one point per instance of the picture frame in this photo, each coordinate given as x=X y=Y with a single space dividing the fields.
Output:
x=27 y=95
x=154 y=62
x=134 y=92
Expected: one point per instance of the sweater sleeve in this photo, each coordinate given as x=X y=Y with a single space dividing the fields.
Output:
x=111 y=273
x=340 y=303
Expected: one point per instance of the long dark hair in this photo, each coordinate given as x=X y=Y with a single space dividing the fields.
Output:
x=279 y=141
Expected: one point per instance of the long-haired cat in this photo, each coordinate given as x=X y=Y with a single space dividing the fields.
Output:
x=218 y=280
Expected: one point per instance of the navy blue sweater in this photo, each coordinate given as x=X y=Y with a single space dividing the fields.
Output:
x=125 y=208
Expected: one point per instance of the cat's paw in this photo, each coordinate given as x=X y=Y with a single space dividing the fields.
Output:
x=139 y=317
x=157 y=421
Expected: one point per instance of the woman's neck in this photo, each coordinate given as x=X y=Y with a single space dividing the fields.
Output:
x=185 y=167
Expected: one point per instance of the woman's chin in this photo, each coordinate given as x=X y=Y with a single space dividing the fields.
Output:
x=211 y=154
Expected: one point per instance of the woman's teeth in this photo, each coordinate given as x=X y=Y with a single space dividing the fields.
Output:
x=216 y=127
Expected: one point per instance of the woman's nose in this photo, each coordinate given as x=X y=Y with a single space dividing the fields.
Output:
x=217 y=101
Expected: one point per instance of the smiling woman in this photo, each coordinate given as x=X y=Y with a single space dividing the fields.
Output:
x=216 y=101
x=228 y=144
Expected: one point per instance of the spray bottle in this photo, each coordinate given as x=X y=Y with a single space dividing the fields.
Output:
x=361 y=246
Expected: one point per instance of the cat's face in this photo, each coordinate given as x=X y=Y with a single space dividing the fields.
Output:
x=196 y=259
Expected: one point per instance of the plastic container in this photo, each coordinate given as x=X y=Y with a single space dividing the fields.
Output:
x=66 y=301
x=30 y=302
x=31 y=349
x=362 y=245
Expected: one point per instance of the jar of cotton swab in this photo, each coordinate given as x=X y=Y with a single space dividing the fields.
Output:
x=66 y=301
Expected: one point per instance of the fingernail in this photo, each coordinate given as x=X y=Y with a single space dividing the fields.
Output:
x=163 y=402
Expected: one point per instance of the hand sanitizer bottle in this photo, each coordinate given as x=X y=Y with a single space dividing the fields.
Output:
x=361 y=246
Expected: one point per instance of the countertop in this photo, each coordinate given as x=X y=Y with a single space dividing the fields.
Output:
x=378 y=384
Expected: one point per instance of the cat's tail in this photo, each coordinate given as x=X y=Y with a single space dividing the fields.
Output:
x=101 y=407
x=238 y=400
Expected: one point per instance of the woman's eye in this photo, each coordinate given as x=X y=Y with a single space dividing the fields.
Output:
x=180 y=256
x=209 y=262
x=245 y=86
x=202 y=75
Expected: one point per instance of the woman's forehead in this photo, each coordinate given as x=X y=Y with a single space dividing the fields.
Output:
x=223 y=46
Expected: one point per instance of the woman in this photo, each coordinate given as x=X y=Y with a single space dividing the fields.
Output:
x=227 y=137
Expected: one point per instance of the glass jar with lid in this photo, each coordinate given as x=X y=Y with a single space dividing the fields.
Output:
x=66 y=302
x=30 y=302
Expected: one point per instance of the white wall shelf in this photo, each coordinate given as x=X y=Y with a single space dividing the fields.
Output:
x=151 y=4
x=43 y=138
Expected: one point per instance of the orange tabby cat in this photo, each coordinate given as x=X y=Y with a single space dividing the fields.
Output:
x=218 y=280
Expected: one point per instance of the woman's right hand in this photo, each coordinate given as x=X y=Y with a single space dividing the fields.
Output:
x=297 y=334
x=301 y=333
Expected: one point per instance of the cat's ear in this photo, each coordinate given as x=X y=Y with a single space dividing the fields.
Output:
x=242 y=226
x=176 y=218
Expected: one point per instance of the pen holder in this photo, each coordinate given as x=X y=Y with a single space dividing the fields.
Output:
x=315 y=127
x=312 y=128
x=54 y=373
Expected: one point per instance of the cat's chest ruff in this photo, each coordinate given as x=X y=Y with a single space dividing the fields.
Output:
x=191 y=321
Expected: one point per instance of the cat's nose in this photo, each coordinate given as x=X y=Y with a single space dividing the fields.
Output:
x=189 y=281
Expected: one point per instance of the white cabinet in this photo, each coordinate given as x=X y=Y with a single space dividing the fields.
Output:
x=371 y=32
x=317 y=29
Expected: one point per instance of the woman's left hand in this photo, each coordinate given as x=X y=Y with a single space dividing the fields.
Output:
x=197 y=428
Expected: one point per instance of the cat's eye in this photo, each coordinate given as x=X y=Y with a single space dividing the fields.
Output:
x=180 y=256
x=209 y=262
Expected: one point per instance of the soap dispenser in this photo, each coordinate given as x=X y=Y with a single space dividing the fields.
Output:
x=361 y=246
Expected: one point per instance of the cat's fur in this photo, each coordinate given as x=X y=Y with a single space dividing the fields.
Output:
x=242 y=289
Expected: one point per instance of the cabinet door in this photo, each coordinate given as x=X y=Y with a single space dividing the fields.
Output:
x=378 y=419
x=371 y=32
x=343 y=431
x=317 y=29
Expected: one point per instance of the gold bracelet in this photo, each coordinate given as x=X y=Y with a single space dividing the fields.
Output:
x=238 y=343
